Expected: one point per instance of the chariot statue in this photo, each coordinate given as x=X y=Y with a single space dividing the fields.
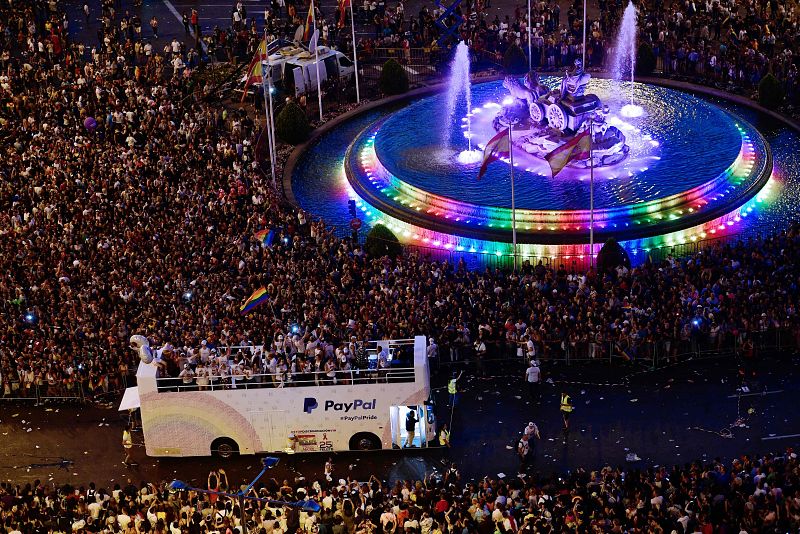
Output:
x=554 y=116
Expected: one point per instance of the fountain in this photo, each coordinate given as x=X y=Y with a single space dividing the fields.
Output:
x=650 y=180
x=460 y=83
x=624 y=59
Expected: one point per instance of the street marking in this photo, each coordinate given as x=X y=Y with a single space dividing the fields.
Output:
x=785 y=436
x=756 y=394
x=180 y=19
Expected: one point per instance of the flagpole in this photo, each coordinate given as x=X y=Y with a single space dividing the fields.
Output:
x=316 y=58
x=355 y=50
x=530 y=58
x=583 y=61
x=271 y=116
x=591 y=197
x=265 y=90
x=513 y=206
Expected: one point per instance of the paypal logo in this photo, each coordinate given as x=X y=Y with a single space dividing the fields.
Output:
x=309 y=403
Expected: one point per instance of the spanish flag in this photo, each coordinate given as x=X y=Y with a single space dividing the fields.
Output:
x=343 y=5
x=579 y=147
x=498 y=147
x=309 y=24
x=255 y=300
x=255 y=71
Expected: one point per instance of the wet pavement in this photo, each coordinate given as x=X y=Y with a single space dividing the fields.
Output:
x=669 y=416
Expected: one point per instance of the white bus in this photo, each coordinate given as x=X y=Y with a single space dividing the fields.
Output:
x=361 y=410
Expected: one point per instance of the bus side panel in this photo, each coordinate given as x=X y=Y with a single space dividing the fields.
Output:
x=189 y=427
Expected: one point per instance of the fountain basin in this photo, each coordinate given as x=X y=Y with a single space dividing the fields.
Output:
x=706 y=171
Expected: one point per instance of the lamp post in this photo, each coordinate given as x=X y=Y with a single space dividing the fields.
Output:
x=269 y=462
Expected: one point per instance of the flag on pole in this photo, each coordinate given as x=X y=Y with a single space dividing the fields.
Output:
x=576 y=148
x=255 y=300
x=309 y=23
x=498 y=147
x=343 y=5
x=312 y=44
x=255 y=71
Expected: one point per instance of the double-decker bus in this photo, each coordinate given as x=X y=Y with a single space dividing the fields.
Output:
x=362 y=409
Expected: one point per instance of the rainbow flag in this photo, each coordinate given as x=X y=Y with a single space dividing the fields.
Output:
x=498 y=147
x=266 y=236
x=579 y=147
x=255 y=300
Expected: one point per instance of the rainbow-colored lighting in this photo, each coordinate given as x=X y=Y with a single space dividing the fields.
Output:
x=409 y=233
x=654 y=213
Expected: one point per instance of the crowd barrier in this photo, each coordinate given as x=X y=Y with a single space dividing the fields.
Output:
x=652 y=354
x=13 y=389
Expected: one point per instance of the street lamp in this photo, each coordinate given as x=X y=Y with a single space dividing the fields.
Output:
x=269 y=462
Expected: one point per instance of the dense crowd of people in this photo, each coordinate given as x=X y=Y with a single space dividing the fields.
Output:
x=130 y=204
x=749 y=494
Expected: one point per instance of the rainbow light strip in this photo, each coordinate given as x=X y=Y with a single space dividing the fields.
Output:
x=729 y=224
x=423 y=205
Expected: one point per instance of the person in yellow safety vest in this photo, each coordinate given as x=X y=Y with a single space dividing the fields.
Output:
x=452 y=388
x=444 y=436
x=566 y=409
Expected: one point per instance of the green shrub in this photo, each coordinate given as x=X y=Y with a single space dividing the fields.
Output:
x=291 y=124
x=611 y=256
x=645 y=60
x=515 y=61
x=770 y=92
x=382 y=242
x=394 y=79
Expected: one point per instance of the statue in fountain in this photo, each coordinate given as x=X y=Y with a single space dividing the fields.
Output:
x=553 y=117
x=573 y=85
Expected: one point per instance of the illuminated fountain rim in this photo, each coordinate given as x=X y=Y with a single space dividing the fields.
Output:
x=721 y=226
x=408 y=203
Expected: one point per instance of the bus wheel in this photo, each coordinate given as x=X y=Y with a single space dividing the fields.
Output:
x=364 y=441
x=224 y=448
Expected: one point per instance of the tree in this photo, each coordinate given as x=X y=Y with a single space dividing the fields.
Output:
x=645 y=60
x=394 y=79
x=770 y=92
x=611 y=256
x=382 y=242
x=514 y=60
x=291 y=124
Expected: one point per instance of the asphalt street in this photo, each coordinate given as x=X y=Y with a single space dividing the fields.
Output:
x=669 y=416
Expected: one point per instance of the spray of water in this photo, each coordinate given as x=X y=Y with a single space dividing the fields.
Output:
x=458 y=84
x=623 y=61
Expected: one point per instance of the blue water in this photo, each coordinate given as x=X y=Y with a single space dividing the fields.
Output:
x=697 y=141
x=317 y=180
